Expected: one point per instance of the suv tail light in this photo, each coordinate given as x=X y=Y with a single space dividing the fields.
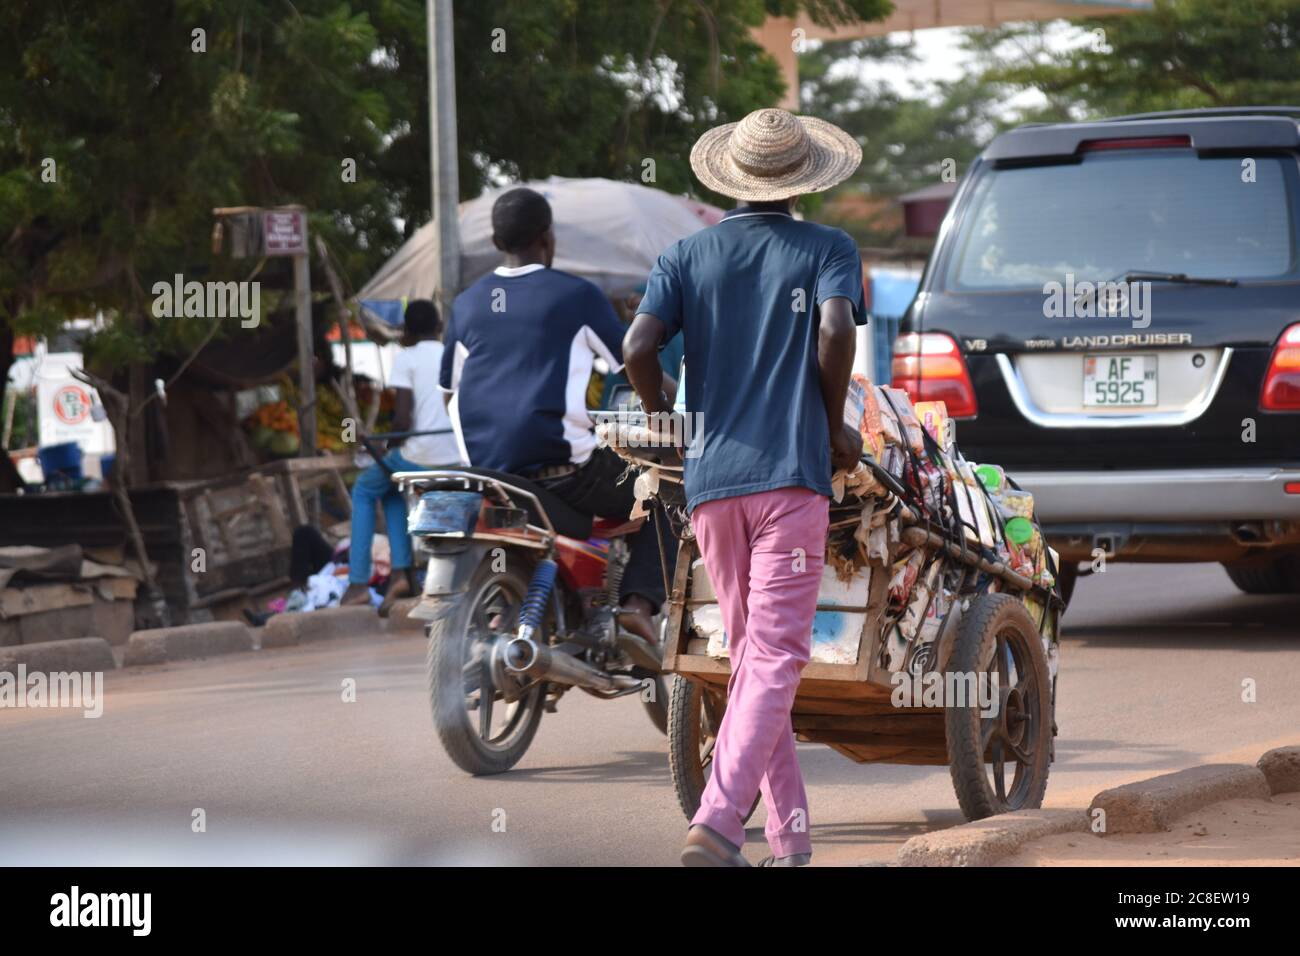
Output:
x=929 y=367
x=1281 y=392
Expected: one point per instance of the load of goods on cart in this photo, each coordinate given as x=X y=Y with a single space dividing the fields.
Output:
x=938 y=525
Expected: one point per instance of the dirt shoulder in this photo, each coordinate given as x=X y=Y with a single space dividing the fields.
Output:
x=1244 y=832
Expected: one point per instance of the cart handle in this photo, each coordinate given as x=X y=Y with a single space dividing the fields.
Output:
x=884 y=477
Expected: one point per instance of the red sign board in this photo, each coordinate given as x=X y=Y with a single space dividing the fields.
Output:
x=72 y=404
x=284 y=233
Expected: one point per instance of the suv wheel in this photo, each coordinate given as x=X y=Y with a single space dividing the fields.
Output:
x=1275 y=576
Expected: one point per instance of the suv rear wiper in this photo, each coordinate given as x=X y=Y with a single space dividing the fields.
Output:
x=1137 y=275
x=1180 y=277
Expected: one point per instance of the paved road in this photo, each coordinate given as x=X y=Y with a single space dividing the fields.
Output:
x=1152 y=668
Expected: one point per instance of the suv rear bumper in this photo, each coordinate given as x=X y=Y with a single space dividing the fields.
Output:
x=1205 y=514
x=1202 y=494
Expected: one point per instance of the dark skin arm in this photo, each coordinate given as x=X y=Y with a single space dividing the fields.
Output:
x=641 y=363
x=836 y=345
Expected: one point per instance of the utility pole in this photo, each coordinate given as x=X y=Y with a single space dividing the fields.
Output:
x=443 y=152
x=306 y=357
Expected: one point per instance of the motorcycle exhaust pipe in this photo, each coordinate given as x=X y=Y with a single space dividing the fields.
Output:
x=526 y=657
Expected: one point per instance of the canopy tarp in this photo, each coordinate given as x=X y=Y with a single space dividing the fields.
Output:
x=606 y=231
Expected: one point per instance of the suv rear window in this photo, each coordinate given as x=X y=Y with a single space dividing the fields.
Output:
x=1153 y=210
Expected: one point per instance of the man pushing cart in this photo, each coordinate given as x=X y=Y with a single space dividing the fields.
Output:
x=767 y=305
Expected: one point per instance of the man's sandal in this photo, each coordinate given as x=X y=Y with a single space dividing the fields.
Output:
x=707 y=847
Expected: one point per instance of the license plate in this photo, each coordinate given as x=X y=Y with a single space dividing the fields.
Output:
x=1119 y=381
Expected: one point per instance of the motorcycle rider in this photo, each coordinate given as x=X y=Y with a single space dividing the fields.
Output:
x=520 y=347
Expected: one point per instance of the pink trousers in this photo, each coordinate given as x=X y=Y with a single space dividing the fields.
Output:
x=764 y=553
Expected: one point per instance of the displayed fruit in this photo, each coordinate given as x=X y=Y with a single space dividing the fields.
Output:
x=277 y=416
x=284 y=444
x=262 y=437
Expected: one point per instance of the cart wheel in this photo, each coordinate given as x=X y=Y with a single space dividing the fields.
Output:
x=693 y=719
x=997 y=637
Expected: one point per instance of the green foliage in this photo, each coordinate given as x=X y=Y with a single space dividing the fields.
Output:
x=1183 y=54
x=590 y=88
x=906 y=141
x=148 y=134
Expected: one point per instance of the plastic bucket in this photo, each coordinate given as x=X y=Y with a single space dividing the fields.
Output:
x=61 y=463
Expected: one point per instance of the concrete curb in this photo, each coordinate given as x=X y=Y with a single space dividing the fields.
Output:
x=399 y=617
x=77 y=654
x=1148 y=806
x=1151 y=806
x=188 y=641
x=983 y=842
x=1281 y=768
x=299 y=627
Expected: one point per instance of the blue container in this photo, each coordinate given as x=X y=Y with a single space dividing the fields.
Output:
x=106 y=465
x=445 y=512
x=885 y=330
x=61 y=464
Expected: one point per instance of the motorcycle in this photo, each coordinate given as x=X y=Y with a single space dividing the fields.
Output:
x=521 y=597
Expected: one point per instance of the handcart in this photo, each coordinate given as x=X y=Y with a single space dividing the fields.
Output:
x=929 y=646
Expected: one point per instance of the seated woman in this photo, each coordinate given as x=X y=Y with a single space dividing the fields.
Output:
x=419 y=408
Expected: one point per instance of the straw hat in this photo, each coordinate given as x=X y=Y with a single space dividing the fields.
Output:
x=772 y=154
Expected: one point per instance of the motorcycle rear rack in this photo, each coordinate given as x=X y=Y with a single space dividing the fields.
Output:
x=417 y=482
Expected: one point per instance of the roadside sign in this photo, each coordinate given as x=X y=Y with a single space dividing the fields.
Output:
x=284 y=232
x=64 y=406
x=72 y=404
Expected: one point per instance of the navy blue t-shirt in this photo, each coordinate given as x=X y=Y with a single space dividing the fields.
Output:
x=519 y=352
x=745 y=293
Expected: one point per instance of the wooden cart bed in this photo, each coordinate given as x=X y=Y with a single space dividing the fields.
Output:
x=845 y=706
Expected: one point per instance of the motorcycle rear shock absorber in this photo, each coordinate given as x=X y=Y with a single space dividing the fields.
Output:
x=617 y=564
x=533 y=609
x=614 y=569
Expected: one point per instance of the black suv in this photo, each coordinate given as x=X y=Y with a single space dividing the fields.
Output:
x=1112 y=313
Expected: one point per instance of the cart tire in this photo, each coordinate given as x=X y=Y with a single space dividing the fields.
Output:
x=1022 y=729
x=687 y=737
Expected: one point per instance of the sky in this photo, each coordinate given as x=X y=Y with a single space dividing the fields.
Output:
x=941 y=57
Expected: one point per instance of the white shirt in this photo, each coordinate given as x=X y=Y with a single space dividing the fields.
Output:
x=509 y=271
x=417 y=368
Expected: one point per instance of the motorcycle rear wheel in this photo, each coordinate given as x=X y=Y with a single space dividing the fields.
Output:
x=462 y=696
x=657 y=708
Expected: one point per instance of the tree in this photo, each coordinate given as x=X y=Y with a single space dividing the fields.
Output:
x=1182 y=54
x=113 y=162
x=582 y=88
x=122 y=126
x=907 y=141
